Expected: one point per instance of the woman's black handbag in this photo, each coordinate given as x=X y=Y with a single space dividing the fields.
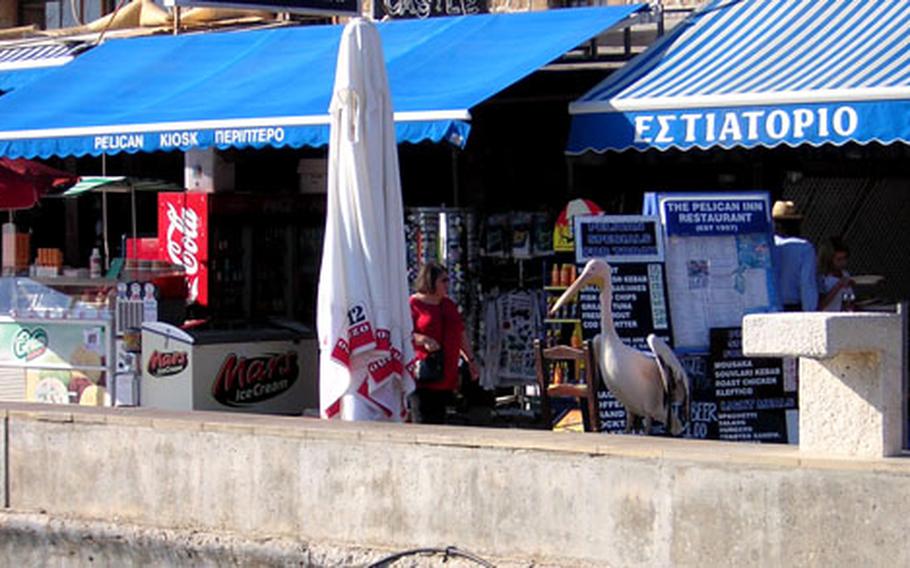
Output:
x=431 y=368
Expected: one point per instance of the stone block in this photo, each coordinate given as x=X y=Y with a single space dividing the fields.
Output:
x=850 y=377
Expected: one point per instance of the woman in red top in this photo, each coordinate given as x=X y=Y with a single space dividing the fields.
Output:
x=437 y=325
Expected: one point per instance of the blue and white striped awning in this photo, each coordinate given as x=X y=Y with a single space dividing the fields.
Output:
x=759 y=73
x=34 y=56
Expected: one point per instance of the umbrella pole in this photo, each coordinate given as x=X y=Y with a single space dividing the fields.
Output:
x=133 y=214
x=105 y=246
x=107 y=256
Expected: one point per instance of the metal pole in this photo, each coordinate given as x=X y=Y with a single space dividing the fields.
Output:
x=660 y=20
x=107 y=248
x=570 y=176
x=903 y=310
x=133 y=213
x=105 y=245
x=455 y=197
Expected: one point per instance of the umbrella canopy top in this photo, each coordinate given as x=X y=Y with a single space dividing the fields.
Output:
x=23 y=182
x=119 y=184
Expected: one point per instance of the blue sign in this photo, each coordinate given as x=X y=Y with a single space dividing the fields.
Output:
x=347 y=7
x=618 y=238
x=746 y=126
x=715 y=216
x=275 y=136
x=718 y=260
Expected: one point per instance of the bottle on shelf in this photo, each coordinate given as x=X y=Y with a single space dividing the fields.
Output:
x=565 y=276
x=558 y=377
x=94 y=263
x=577 y=340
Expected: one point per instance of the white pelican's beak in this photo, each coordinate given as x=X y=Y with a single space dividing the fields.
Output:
x=583 y=279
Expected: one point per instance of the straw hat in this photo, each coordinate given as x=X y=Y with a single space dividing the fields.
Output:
x=784 y=210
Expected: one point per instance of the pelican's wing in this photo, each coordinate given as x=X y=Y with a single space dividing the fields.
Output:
x=596 y=355
x=671 y=372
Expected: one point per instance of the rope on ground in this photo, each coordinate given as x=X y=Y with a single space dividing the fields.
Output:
x=449 y=551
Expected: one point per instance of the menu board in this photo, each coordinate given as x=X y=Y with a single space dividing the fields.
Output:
x=639 y=305
x=632 y=245
x=756 y=397
x=718 y=249
x=620 y=239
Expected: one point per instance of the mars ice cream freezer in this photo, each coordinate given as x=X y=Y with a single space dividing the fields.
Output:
x=249 y=370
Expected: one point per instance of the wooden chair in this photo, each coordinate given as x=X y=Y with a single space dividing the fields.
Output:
x=585 y=393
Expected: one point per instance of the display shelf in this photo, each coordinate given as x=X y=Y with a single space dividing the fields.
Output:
x=70 y=281
x=562 y=320
x=578 y=390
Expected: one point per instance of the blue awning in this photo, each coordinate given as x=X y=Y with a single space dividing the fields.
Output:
x=758 y=73
x=12 y=80
x=254 y=89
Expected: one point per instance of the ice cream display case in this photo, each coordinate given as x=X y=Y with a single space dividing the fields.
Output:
x=231 y=367
x=56 y=340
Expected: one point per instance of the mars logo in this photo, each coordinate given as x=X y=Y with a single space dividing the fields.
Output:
x=167 y=363
x=242 y=381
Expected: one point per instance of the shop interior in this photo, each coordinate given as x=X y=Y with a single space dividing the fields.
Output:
x=512 y=175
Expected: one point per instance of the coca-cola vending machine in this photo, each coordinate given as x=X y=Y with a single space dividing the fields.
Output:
x=183 y=220
x=246 y=256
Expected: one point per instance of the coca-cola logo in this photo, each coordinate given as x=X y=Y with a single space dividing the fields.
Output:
x=242 y=381
x=167 y=363
x=182 y=243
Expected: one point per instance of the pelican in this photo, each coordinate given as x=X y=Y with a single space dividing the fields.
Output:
x=645 y=383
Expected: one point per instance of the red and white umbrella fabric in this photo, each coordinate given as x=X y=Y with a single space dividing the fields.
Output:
x=363 y=319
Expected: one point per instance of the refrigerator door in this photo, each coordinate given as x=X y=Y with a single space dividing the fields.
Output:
x=183 y=235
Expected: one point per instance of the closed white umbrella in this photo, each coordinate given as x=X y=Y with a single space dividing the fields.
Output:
x=363 y=317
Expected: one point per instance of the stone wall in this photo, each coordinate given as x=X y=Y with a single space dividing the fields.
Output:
x=519 y=497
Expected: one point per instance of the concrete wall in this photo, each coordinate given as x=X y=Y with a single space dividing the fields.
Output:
x=514 y=496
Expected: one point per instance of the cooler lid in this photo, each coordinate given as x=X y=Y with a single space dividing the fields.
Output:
x=168 y=330
x=240 y=332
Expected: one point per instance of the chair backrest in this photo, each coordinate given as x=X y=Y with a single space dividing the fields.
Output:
x=585 y=392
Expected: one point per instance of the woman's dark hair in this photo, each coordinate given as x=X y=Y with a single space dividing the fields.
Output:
x=427 y=276
x=826 y=252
